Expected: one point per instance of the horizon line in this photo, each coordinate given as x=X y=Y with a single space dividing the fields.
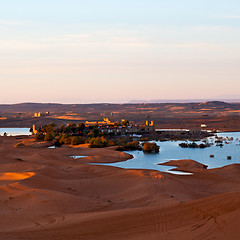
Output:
x=228 y=100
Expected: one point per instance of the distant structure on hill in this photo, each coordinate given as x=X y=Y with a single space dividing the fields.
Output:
x=105 y=122
x=149 y=127
x=40 y=114
x=194 y=132
x=34 y=130
x=125 y=127
x=120 y=127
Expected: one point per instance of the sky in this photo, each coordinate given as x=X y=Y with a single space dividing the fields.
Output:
x=74 y=51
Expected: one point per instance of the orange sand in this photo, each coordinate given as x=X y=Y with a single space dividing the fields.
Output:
x=44 y=194
x=15 y=176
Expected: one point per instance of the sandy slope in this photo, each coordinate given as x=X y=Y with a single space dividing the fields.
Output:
x=45 y=194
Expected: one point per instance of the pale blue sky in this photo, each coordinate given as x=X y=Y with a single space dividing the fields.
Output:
x=77 y=51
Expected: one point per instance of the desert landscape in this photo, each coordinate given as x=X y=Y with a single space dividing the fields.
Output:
x=119 y=120
x=47 y=194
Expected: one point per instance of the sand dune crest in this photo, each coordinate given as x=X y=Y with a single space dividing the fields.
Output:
x=15 y=175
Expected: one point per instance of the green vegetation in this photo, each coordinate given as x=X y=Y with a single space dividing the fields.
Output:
x=76 y=140
x=73 y=134
x=95 y=136
x=49 y=137
x=129 y=146
x=132 y=145
x=150 y=147
x=39 y=136
x=193 y=145
x=98 y=142
x=64 y=139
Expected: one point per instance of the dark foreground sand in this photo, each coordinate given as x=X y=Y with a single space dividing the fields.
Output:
x=44 y=194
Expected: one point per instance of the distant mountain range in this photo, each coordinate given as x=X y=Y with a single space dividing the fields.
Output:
x=185 y=100
x=111 y=107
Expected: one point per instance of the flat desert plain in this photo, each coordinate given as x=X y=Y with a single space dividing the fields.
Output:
x=46 y=194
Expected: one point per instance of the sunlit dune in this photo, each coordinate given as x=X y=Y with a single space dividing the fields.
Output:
x=15 y=176
x=176 y=108
x=68 y=118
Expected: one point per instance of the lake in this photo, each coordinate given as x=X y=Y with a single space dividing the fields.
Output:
x=15 y=131
x=170 y=150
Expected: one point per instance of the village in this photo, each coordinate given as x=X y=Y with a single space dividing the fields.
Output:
x=123 y=133
x=123 y=126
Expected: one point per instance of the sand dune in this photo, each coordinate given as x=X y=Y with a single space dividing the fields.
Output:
x=15 y=175
x=186 y=165
x=45 y=194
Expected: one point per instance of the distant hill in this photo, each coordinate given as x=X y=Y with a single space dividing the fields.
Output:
x=55 y=107
x=215 y=104
x=185 y=101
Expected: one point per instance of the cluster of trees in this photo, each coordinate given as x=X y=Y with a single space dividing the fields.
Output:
x=146 y=147
x=193 y=145
x=129 y=146
x=100 y=142
x=47 y=133
x=70 y=134
x=150 y=147
x=73 y=134
x=68 y=139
